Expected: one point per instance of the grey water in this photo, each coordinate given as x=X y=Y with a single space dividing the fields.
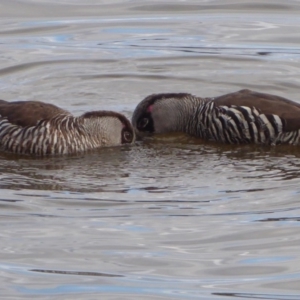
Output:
x=169 y=217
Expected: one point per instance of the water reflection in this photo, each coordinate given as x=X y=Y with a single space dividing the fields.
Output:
x=258 y=296
x=174 y=165
x=170 y=217
x=75 y=273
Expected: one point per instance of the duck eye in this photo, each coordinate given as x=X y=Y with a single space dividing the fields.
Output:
x=143 y=123
x=127 y=136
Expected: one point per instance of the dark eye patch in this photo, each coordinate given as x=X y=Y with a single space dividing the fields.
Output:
x=145 y=123
x=127 y=136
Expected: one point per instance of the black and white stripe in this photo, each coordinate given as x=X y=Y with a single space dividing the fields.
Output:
x=237 y=118
x=240 y=125
x=60 y=135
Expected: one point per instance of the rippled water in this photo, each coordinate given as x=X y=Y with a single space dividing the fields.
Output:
x=170 y=217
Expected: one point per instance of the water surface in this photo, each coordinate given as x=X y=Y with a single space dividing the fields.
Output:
x=170 y=217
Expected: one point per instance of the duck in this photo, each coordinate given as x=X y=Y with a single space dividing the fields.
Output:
x=241 y=117
x=39 y=128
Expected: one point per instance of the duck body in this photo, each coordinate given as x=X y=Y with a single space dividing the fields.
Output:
x=236 y=118
x=33 y=127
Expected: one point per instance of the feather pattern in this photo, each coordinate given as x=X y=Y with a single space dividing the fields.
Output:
x=60 y=132
x=236 y=118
